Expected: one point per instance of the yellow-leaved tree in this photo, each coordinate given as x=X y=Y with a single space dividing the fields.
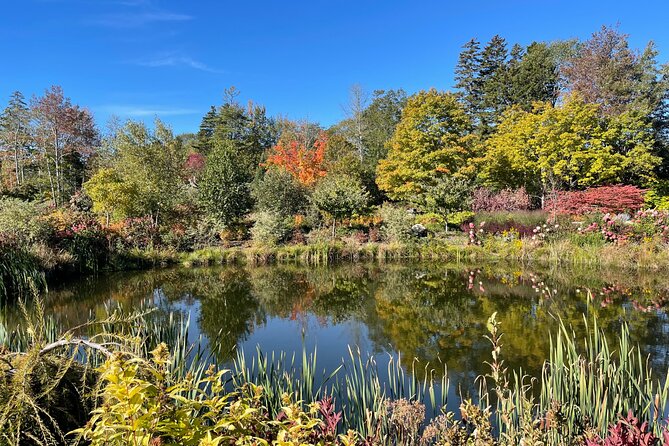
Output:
x=569 y=146
x=432 y=140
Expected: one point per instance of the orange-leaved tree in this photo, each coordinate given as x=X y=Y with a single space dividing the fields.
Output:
x=305 y=164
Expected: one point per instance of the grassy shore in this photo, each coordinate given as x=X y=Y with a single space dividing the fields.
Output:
x=647 y=255
x=21 y=273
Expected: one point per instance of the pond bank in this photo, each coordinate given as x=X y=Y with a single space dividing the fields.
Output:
x=649 y=256
x=20 y=273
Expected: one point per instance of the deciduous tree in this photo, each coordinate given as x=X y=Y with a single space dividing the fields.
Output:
x=606 y=71
x=225 y=185
x=66 y=136
x=571 y=146
x=339 y=197
x=305 y=163
x=150 y=163
x=432 y=140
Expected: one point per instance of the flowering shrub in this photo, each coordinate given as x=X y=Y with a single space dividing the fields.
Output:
x=474 y=235
x=80 y=235
x=605 y=199
x=485 y=199
x=643 y=226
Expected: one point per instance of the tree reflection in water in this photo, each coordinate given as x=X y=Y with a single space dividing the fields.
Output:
x=429 y=313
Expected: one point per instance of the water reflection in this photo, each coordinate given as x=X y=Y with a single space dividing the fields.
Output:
x=429 y=313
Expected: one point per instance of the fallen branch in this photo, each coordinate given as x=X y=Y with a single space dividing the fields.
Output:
x=76 y=342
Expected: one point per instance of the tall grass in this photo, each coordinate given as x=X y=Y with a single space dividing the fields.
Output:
x=585 y=385
x=359 y=385
x=21 y=273
x=595 y=382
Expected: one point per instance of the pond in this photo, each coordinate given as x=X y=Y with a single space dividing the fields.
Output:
x=429 y=313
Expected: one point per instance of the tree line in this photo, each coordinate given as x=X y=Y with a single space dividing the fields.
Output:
x=558 y=116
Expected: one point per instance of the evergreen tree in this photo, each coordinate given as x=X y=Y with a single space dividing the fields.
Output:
x=250 y=128
x=467 y=79
x=15 y=133
x=491 y=78
x=206 y=132
x=534 y=77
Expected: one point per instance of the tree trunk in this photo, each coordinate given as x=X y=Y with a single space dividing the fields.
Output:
x=16 y=165
x=334 y=226
x=58 y=168
x=16 y=156
x=53 y=191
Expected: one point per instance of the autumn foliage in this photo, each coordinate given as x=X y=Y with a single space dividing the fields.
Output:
x=305 y=164
x=607 y=199
x=484 y=199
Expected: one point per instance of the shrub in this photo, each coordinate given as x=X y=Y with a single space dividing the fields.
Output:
x=204 y=232
x=21 y=220
x=81 y=236
x=144 y=404
x=139 y=233
x=630 y=431
x=270 y=229
x=459 y=218
x=642 y=226
x=433 y=222
x=605 y=199
x=658 y=196
x=396 y=223
x=523 y=222
x=278 y=192
x=487 y=200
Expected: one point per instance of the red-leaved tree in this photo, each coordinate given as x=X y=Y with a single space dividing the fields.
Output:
x=193 y=166
x=606 y=199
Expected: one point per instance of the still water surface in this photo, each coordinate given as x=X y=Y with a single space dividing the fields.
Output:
x=427 y=312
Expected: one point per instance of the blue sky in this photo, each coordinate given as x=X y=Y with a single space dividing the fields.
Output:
x=140 y=58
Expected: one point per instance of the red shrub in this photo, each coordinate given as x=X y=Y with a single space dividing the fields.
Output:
x=606 y=199
x=630 y=431
x=505 y=200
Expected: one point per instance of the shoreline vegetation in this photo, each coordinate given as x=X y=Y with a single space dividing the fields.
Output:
x=116 y=381
x=533 y=157
x=24 y=272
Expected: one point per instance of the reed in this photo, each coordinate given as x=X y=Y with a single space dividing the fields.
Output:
x=358 y=385
x=586 y=383
x=595 y=382
x=21 y=273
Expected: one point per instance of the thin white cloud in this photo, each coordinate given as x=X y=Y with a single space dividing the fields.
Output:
x=138 y=19
x=134 y=111
x=175 y=60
